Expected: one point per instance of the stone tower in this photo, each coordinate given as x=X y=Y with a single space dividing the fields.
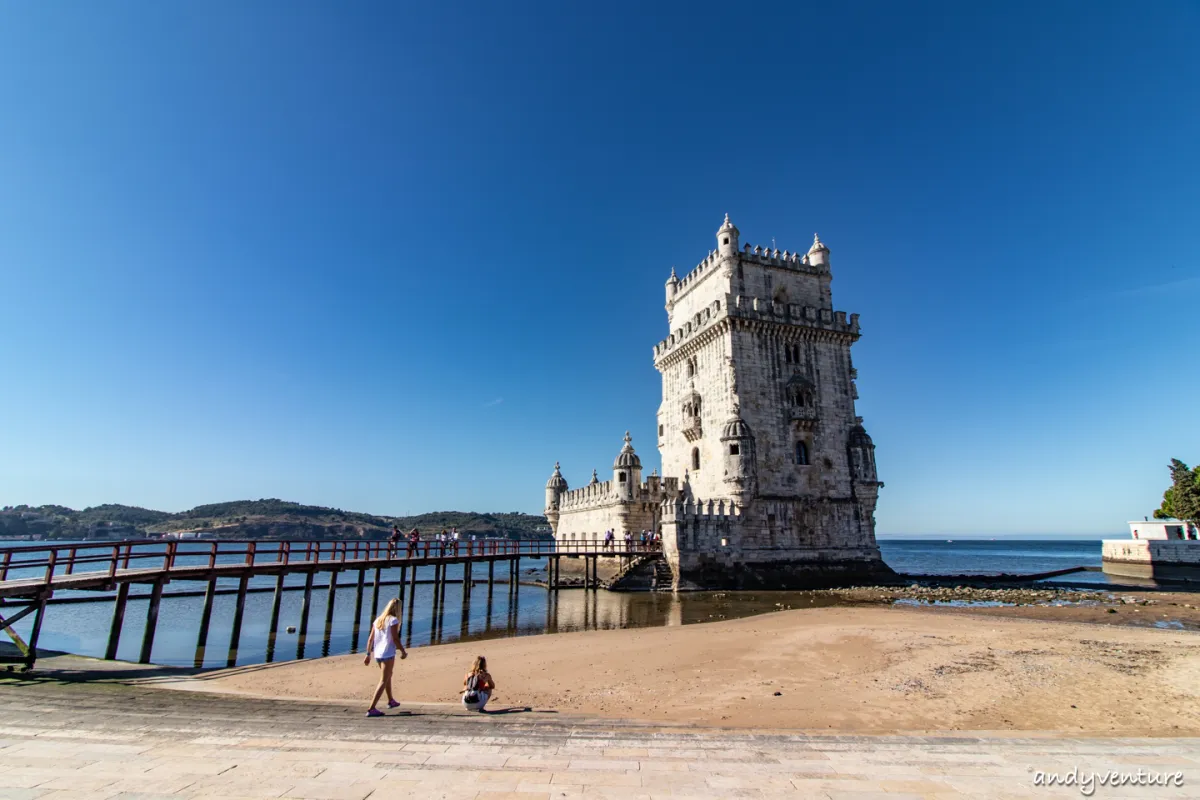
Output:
x=758 y=411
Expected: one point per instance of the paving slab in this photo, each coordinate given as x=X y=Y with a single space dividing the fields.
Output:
x=101 y=740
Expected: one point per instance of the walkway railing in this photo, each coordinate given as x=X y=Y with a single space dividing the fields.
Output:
x=48 y=561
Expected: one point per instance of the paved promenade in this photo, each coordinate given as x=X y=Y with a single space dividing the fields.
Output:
x=101 y=739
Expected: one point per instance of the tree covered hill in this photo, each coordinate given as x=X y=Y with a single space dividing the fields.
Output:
x=251 y=519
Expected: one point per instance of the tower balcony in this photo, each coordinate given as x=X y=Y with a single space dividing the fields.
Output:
x=693 y=431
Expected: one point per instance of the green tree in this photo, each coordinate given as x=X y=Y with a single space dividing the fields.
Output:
x=1182 y=499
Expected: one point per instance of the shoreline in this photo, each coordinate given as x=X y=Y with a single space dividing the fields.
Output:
x=844 y=669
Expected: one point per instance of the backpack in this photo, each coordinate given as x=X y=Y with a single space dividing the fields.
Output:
x=471 y=695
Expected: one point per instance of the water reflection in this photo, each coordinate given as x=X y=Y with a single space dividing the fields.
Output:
x=195 y=616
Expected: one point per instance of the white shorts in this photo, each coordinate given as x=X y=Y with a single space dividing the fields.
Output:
x=477 y=706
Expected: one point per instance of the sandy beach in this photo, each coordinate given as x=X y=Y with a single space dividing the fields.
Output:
x=854 y=670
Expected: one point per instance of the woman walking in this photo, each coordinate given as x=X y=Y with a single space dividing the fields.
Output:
x=477 y=686
x=383 y=643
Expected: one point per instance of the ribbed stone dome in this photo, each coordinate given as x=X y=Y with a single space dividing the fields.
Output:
x=859 y=437
x=737 y=428
x=627 y=458
x=557 y=481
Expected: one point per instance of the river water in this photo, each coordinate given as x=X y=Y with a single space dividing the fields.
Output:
x=82 y=627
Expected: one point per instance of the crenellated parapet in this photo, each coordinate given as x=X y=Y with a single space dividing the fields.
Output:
x=772 y=257
x=603 y=494
x=700 y=510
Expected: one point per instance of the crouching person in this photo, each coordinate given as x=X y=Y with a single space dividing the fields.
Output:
x=478 y=686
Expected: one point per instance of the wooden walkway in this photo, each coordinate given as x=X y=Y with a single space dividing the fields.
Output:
x=31 y=574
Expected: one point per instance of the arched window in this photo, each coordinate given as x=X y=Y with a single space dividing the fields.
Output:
x=660 y=430
x=802 y=453
x=695 y=458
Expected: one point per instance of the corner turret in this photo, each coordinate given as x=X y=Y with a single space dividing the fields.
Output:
x=556 y=487
x=727 y=238
x=672 y=288
x=739 y=457
x=627 y=471
x=818 y=254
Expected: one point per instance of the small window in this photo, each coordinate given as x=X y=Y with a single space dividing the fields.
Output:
x=802 y=454
x=695 y=458
x=621 y=477
x=734 y=450
x=660 y=430
x=725 y=240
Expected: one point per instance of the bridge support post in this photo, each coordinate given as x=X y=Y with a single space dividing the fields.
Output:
x=468 y=585
x=412 y=602
x=329 y=604
x=491 y=578
x=205 y=616
x=239 y=611
x=118 y=619
x=375 y=596
x=308 y=582
x=358 y=593
x=36 y=631
x=274 y=629
x=400 y=594
x=151 y=621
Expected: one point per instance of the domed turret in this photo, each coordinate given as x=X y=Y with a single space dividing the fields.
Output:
x=627 y=470
x=557 y=481
x=627 y=458
x=738 y=456
x=672 y=287
x=818 y=254
x=727 y=238
x=556 y=487
x=862 y=455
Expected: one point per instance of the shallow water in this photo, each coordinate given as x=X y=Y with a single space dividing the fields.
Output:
x=83 y=628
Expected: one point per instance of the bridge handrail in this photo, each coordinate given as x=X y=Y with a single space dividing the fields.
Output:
x=120 y=554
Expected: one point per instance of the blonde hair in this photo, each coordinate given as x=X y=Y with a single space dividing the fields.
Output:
x=392 y=609
x=480 y=665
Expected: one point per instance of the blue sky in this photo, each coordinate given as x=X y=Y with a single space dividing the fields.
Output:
x=402 y=257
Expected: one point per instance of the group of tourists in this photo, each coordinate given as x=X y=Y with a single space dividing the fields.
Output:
x=445 y=542
x=383 y=644
x=646 y=540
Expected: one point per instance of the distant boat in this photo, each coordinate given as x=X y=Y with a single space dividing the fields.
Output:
x=949 y=541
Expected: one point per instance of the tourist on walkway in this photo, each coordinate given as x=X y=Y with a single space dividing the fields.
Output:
x=608 y=539
x=394 y=541
x=414 y=538
x=454 y=539
x=628 y=540
x=383 y=643
x=477 y=686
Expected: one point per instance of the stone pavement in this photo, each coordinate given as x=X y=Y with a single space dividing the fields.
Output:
x=101 y=739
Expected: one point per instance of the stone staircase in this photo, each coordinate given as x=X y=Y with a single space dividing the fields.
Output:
x=644 y=573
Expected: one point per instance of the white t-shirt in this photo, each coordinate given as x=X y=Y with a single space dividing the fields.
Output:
x=384 y=648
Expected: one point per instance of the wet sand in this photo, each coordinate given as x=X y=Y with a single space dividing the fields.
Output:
x=869 y=669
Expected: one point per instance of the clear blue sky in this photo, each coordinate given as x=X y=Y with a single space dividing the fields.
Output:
x=401 y=257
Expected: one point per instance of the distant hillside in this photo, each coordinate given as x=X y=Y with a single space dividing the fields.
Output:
x=251 y=519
